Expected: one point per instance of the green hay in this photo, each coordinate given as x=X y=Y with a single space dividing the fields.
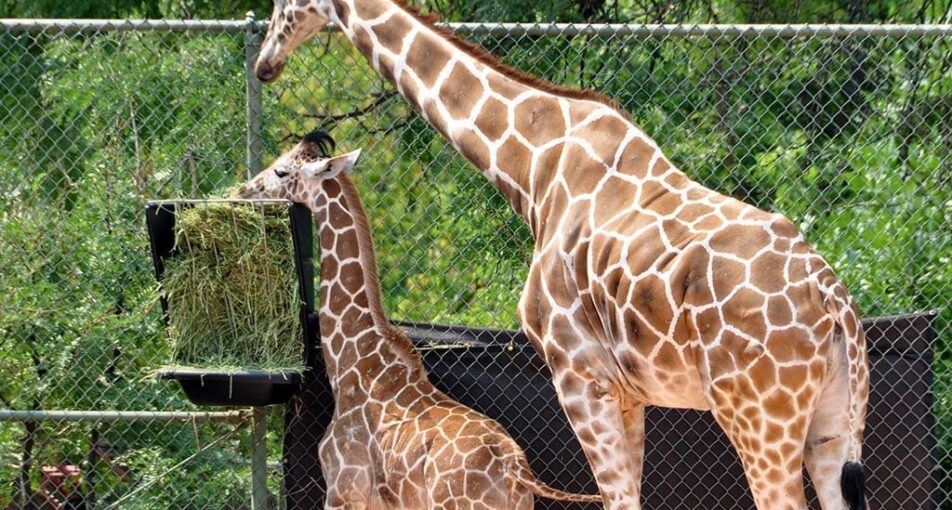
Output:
x=232 y=290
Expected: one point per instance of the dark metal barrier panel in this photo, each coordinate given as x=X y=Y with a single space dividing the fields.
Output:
x=689 y=463
x=305 y=418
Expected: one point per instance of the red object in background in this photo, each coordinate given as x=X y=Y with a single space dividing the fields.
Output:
x=60 y=485
x=59 y=490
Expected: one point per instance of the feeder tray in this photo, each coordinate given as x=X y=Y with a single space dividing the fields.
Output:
x=249 y=387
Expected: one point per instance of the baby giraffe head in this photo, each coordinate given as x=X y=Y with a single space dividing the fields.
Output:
x=296 y=174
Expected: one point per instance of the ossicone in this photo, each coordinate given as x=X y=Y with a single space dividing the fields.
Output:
x=321 y=142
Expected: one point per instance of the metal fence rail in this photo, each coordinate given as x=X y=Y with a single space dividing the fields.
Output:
x=71 y=26
x=113 y=416
x=844 y=128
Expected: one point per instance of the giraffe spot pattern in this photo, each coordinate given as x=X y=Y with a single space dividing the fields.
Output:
x=395 y=440
x=645 y=288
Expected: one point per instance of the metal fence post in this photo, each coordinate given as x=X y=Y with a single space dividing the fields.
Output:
x=259 y=458
x=252 y=45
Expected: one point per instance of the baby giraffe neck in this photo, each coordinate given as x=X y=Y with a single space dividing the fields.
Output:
x=349 y=282
x=354 y=327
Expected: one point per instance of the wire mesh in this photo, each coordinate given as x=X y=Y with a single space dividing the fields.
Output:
x=846 y=133
x=94 y=125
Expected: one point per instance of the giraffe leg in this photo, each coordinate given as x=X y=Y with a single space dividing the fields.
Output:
x=634 y=420
x=770 y=448
x=828 y=439
x=345 y=473
x=346 y=499
x=610 y=431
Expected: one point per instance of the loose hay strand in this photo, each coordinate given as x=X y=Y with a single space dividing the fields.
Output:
x=232 y=289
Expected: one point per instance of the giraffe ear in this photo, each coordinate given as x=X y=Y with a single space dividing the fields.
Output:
x=330 y=168
x=343 y=163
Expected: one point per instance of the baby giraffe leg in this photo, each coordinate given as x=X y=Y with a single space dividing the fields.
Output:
x=336 y=504
x=342 y=495
x=345 y=473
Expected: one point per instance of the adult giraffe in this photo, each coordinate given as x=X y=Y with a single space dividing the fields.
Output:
x=645 y=288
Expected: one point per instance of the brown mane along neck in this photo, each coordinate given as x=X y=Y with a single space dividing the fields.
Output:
x=368 y=258
x=485 y=57
x=368 y=262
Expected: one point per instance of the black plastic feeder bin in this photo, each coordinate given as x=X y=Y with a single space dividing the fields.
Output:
x=244 y=388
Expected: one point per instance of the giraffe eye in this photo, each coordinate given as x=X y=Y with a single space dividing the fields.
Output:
x=281 y=173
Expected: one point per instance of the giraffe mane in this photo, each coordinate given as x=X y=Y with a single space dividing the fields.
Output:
x=484 y=56
x=368 y=262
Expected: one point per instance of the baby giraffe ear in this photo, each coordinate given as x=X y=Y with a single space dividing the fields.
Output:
x=344 y=162
x=330 y=168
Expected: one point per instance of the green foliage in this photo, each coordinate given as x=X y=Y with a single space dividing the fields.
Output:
x=93 y=127
x=650 y=11
x=130 y=8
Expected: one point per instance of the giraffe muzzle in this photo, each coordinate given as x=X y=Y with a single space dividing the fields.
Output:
x=267 y=72
x=239 y=193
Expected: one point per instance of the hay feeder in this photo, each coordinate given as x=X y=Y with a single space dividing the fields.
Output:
x=221 y=266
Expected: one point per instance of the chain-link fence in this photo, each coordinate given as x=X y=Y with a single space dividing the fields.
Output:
x=844 y=129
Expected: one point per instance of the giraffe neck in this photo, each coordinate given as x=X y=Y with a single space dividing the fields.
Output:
x=506 y=126
x=355 y=331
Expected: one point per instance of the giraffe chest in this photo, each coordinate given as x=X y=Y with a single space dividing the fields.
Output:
x=384 y=436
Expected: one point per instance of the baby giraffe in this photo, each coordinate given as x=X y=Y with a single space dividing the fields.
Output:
x=395 y=441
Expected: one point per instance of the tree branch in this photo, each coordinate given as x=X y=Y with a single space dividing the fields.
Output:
x=328 y=121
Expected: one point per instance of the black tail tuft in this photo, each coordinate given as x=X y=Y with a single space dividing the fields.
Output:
x=853 y=485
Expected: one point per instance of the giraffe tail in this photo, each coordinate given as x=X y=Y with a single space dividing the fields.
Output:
x=519 y=469
x=841 y=307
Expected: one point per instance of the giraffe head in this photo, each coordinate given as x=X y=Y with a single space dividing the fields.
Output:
x=294 y=175
x=292 y=23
